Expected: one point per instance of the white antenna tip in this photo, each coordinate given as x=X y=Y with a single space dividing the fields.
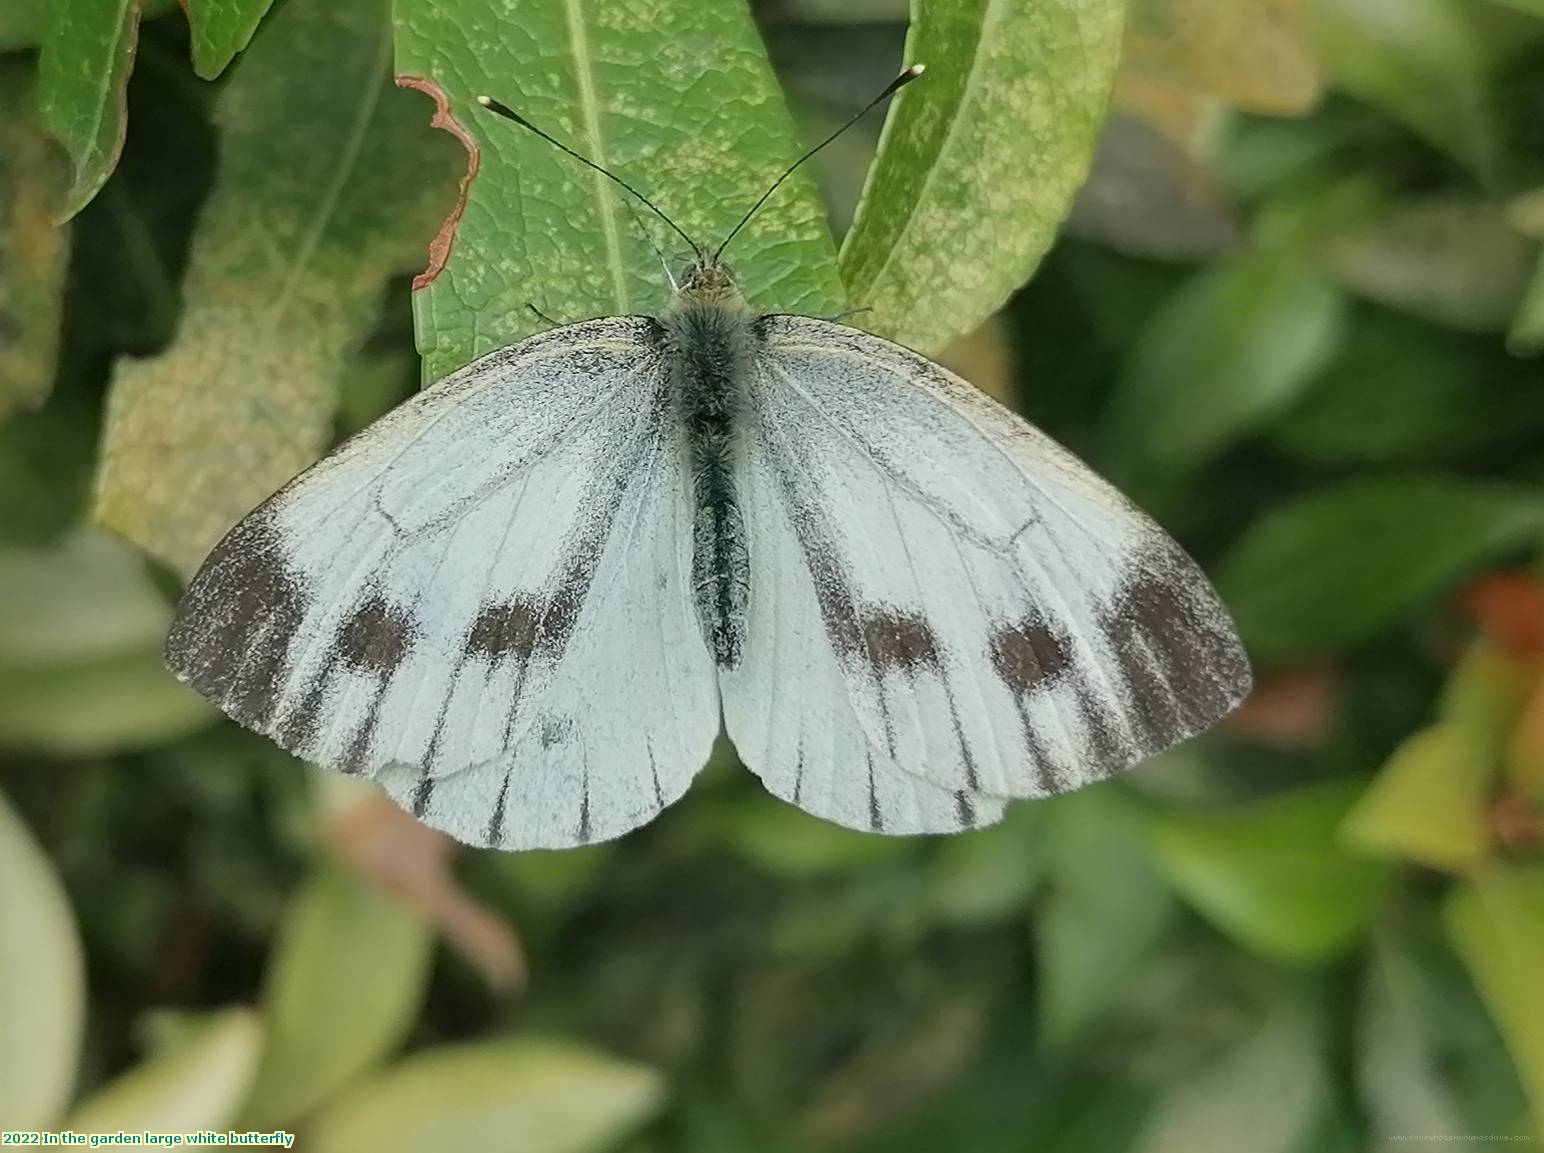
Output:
x=916 y=69
x=485 y=101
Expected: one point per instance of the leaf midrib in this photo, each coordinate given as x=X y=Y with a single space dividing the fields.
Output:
x=348 y=162
x=589 y=107
x=99 y=105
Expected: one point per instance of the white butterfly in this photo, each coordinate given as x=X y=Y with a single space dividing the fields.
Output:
x=523 y=600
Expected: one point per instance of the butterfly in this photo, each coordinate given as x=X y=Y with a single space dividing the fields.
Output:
x=525 y=601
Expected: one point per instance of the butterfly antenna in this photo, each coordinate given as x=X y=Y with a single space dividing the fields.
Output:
x=509 y=113
x=649 y=236
x=891 y=89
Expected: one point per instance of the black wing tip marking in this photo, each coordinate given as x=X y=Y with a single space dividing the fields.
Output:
x=1168 y=612
x=231 y=635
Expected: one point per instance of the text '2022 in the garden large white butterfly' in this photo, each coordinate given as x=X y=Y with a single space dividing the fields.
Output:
x=525 y=600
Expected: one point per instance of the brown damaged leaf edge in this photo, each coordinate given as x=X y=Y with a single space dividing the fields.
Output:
x=445 y=119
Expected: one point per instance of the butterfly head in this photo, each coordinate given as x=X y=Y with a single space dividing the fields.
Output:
x=707 y=280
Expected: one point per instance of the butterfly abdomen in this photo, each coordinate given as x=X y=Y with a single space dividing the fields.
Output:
x=708 y=349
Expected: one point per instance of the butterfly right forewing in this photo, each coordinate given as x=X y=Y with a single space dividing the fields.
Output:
x=1004 y=622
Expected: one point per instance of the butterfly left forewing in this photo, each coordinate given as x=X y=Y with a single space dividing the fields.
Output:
x=1005 y=623
x=440 y=602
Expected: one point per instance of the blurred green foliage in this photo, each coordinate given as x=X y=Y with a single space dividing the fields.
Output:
x=1291 y=312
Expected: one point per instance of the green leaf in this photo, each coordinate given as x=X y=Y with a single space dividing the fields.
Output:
x=47 y=459
x=88 y=599
x=1526 y=335
x=222 y=28
x=1269 y=873
x=675 y=97
x=329 y=182
x=1260 y=157
x=24 y=23
x=1248 y=53
x=83 y=72
x=134 y=704
x=1449 y=259
x=1236 y=344
x=34 y=252
x=1485 y=697
x=1328 y=570
x=21 y=23
x=988 y=874
x=83 y=622
x=1431 y=800
x=1427 y=803
x=199 y=1084
x=1402 y=390
x=1423 y=62
x=344 y=985
x=508 y=1096
x=42 y=982
x=1525 y=212
x=1496 y=923
x=1105 y=909
x=786 y=842
x=1264 y=1095
x=1147 y=196
x=1428 y=1061
x=979 y=160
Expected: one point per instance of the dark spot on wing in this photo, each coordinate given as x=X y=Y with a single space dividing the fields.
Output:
x=882 y=636
x=554 y=731
x=1027 y=655
x=234 y=628
x=897 y=641
x=527 y=625
x=376 y=637
x=505 y=628
x=373 y=640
